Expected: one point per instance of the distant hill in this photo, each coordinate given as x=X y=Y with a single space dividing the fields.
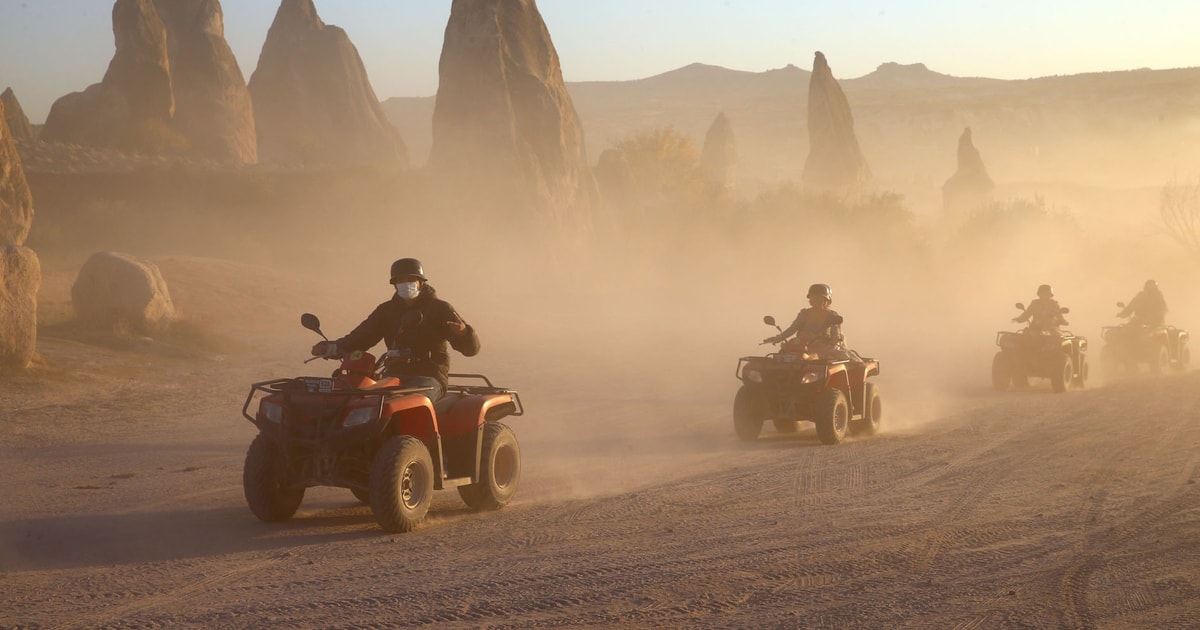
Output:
x=1130 y=128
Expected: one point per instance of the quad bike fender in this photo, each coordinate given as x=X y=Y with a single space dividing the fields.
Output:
x=470 y=412
x=411 y=415
x=839 y=378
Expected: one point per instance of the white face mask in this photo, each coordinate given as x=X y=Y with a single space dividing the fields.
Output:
x=408 y=290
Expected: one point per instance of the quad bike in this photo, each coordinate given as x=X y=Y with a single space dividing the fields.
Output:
x=389 y=445
x=793 y=386
x=1033 y=352
x=1130 y=345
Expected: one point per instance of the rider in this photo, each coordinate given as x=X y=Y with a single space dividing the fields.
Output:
x=818 y=328
x=1043 y=314
x=1149 y=307
x=420 y=357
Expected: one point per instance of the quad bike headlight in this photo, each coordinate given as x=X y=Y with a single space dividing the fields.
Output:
x=362 y=415
x=812 y=376
x=272 y=411
x=754 y=376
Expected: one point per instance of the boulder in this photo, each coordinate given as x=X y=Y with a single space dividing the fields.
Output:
x=18 y=124
x=718 y=158
x=132 y=106
x=212 y=104
x=119 y=289
x=504 y=126
x=16 y=201
x=313 y=103
x=20 y=278
x=970 y=187
x=835 y=161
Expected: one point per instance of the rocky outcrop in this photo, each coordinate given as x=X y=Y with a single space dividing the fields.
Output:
x=131 y=108
x=835 y=160
x=313 y=103
x=212 y=104
x=970 y=187
x=718 y=159
x=504 y=126
x=614 y=178
x=18 y=124
x=20 y=273
x=118 y=289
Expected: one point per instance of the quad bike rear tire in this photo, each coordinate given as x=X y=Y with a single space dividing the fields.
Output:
x=401 y=483
x=1062 y=372
x=1083 y=372
x=872 y=413
x=265 y=482
x=1185 y=358
x=1001 y=372
x=363 y=496
x=749 y=411
x=832 y=417
x=499 y=470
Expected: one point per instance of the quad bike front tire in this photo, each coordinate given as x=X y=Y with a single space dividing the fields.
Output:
x=832 y=417
x=269 y=493
x=363 y=496
x=749 y=411
x=401 y=483
x=1082 y=373
x=499 y=470
x=1001 y=372
x=872 y=413
x=1062 y=372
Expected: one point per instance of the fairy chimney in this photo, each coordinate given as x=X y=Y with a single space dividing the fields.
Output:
x=504 y=126
x=718 y=159
x=313 y=102
x=20 y=272
x=212 y=104
x=133 y=104
x=834 y=158
x=970 y=187
x=18 y=124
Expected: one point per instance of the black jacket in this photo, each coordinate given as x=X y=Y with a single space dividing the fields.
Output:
x=425 y=344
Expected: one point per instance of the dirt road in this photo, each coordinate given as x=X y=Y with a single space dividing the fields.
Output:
x=122 y=506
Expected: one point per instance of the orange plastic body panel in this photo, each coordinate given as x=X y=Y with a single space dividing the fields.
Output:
x=467 y=414
x=412 y=415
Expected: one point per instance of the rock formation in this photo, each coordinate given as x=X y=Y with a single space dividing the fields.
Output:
x=718 y=159
x=132 y=106
x=970 y=187
x=614 y=178
x=20 y=273
x=114 y=288
x=504 y=125
x=312 y=100
x=212 y=104
x=834 y=158
x=18 y=124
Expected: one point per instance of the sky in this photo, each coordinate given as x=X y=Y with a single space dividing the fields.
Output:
x=49 y=48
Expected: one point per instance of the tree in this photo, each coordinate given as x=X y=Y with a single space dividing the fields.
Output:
x=1180 y=210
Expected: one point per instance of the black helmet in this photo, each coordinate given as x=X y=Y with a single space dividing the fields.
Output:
x=407 y=267
x=1151 y=286
x=820 y=290
x=1045 y=291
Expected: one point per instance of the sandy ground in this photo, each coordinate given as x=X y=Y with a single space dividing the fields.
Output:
x=122 y=502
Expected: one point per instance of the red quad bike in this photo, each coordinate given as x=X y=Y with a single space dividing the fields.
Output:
x=1057 y=355
x=387 y=444
x=1127 y=347
x=791 y=386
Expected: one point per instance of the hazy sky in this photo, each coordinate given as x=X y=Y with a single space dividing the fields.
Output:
x=51 y=47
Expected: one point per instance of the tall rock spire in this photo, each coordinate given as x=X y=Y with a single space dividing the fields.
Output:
x=970 y=186
x=504 y=126
x=835 y=160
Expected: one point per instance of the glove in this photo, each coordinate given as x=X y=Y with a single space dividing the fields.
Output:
x=771 y=340
x=325 y=350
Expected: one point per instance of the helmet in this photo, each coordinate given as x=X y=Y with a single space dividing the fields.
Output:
x=407 y=267
x=1151 y=286
x=820 y=290
x=1045 y=291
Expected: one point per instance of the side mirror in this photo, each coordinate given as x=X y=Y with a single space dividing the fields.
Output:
x=768 y=320
x=311 y=322
x=1020 y=306
x=1120 y=305
x=1064 y=310
x=411 y=319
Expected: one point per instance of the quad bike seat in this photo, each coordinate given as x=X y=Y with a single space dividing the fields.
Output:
x=388 y=381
